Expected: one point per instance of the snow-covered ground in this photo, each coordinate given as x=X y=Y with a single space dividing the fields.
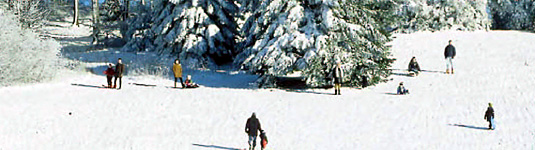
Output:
x=495 y=67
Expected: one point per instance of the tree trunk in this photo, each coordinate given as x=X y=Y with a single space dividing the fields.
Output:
x=126 y=6
x=143 y=2
x=75 y=17
x=96 y=22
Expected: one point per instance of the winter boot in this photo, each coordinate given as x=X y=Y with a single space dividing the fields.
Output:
x=447 y=71
x=451 y=71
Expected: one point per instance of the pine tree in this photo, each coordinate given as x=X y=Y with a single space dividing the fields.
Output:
x=357 y=41
x=513 y=14
x=202 y=33
x=284 y=37
x=436 y=15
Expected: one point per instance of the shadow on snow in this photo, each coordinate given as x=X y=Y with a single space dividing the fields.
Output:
x=215 y=147
x=469 y=126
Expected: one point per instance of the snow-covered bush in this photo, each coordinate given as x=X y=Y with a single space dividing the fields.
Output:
x=29 y=13
x=201 y=32
x=513 y=14
x=435 y=15
x=24 y=57
x=287 y=36
x=149 y=64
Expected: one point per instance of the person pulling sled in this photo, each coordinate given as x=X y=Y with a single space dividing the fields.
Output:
x=251 y=128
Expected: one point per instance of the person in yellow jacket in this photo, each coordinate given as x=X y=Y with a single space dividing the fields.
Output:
x=177 y=70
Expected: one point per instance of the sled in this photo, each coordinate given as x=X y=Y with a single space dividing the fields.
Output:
x=106 y=87
x=412 y=74
x=180 y=87
x=192 y=87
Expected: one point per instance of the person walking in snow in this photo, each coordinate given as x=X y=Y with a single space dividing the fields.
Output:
x=414 y=68
x=109 y=75
x=177 y=70
x=251 y=128
x=119 y=69
x=449 y=54
x=489 y=116
x=337 y=75
x=402 y=90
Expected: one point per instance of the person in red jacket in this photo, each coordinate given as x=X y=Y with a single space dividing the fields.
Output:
x=109 y=75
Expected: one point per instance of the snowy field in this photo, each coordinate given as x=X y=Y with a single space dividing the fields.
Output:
x=442 y=111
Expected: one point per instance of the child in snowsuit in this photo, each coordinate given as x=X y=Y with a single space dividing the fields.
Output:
x=489 y=116
x=402 y=90
x=109 y=75
x=189 y=83
x=414 y=67
x=263 y=139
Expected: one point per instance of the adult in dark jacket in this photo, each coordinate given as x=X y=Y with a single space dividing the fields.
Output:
x=489 y=116
x=449 y=54
x=413 y=66
x=338 y=76
x=251 y=128
x=119 y=69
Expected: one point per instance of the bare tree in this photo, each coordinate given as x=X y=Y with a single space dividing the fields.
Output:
x=30 y=14
x=125 y=12
x=76 y=14
x=96 y=21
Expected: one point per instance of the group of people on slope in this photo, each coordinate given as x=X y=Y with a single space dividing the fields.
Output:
x=414 y=67
x=449 y=54
x=120 y=67
x=117 y=73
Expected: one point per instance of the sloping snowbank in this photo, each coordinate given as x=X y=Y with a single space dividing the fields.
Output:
x=490 y=67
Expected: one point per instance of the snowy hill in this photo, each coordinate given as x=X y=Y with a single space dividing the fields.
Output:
x=442 y=112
